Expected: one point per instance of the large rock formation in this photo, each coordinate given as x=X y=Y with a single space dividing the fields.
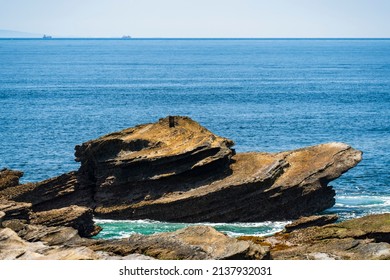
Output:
x=363 y=238
x=177 y=170
x=186 y=173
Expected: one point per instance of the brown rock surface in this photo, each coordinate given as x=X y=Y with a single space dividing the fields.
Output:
x=80 y=218
x=51 y=243
x=363 y=238
x=15 y=210
x=310 y=221
x=260 y=187
x=9 y=178
x=53 y=193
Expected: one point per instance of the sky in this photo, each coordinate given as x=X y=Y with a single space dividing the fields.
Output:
x=199 y=18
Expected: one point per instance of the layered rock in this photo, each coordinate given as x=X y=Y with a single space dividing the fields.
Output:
x=259 y=187
x=61 y=191
x=311 y=221
x=36 y=242
x=15 y=210
x=363 y=238
x=80 y=218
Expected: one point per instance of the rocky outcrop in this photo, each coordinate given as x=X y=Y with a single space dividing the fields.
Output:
x=183 y=172
x=9 y=178
x=15 y=210
x=177 y=170
x=311 y=221
x=196 y=242
x=363 y=238
x=61 y=191
x=80 y=218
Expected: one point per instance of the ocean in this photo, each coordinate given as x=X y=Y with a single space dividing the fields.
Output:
x=265 y=94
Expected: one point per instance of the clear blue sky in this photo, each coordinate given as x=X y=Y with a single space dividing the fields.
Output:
x=198 y=18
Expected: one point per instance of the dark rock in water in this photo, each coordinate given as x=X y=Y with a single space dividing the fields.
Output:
x=77 y=217
x=364 y=238
x=196 y=242
x=310 y=221
x=15 y=210
x=177 y=170
x=9 y=178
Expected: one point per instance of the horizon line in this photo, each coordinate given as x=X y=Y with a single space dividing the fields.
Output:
x=196 y=38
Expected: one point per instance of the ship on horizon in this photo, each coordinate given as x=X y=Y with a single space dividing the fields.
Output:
x=47 y=37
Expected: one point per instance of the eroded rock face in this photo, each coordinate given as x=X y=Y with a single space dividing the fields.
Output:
x=257 y=187
x=80 y=218
x=15 y=210
x=61 y=191
x=310 y=221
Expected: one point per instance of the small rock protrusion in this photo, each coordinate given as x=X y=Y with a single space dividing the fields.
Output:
x=171 y=121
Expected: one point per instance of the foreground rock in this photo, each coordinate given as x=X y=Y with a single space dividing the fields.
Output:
x=362 y=239
x=310 y=221
x=36 y=242
x=177 y=170
x=197 y=243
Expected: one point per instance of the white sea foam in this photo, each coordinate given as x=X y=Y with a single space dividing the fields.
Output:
x=363 y=201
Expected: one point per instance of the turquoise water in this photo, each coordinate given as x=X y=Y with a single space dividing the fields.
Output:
x=266 y=95
x=121 y=229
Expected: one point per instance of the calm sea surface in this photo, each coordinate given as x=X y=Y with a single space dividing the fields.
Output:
x=266 y=95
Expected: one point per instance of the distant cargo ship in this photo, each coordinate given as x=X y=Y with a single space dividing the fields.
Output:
x=46 y=37
x=126 y=37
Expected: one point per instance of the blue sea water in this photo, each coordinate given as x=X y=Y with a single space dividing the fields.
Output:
x=266 y=95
